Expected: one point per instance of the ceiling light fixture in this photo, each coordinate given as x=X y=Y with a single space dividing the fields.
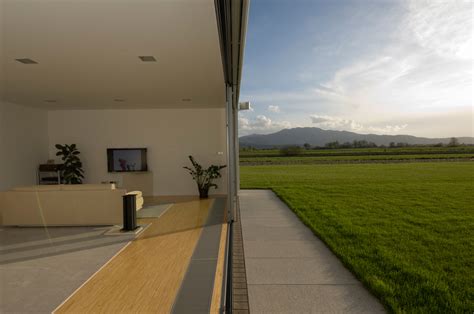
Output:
x=147 y=58
x=186 y=99
x=50 y=100
x=26 y=61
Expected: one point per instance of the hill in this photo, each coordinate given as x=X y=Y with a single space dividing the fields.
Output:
x=319 y=137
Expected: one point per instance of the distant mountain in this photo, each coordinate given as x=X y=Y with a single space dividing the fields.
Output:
x=319 y=137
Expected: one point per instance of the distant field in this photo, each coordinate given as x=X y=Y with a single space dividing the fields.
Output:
x=262 y=157
x=333 y=159
x=364 y=151
x=406 y=230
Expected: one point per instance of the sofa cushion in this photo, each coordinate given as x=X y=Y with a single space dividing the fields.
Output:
x=138 y=198
x=87 y=187
x=137 y=193
x=37 y=188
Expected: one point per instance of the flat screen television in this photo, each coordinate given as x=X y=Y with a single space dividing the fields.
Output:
x=126 y=159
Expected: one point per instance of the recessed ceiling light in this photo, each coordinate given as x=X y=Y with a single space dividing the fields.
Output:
x=119 y=99
x=147 y=58
x=26 y=61
x=186 y=99
x=50 y=100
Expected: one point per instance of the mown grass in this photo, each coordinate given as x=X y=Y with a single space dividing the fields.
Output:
x=405 y=230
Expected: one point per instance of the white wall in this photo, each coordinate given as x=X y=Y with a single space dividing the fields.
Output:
x=169 y=134
x=23 y=144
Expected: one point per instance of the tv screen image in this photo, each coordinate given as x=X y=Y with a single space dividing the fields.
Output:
x=126 y=159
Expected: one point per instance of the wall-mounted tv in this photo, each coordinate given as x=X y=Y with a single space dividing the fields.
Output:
x=126 y=159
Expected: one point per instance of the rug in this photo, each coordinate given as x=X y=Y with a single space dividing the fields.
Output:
x=153 y=211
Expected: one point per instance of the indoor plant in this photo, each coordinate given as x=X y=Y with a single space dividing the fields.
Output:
x=71 y=171
x=204 y=177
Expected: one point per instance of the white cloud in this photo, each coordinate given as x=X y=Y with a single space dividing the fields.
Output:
x=261 y=124
x=428 y=67
x=335 y=123
x=274 y=108
x=444 y=27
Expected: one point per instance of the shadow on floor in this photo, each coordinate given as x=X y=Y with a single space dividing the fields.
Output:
x=19 y=244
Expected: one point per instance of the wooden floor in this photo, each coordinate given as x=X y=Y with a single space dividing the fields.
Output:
x=146 y=275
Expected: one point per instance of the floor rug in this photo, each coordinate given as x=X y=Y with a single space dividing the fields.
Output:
x=153 y=211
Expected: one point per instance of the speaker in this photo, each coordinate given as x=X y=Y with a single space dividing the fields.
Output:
x=129 y=212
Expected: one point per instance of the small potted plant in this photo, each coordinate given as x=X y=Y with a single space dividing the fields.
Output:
x=204 y=177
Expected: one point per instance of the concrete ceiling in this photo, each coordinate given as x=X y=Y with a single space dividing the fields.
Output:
x=87 y=53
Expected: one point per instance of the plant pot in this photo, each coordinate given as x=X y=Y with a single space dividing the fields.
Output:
x=203 y=193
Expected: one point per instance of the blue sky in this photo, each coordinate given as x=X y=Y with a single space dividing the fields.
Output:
x=384 y=67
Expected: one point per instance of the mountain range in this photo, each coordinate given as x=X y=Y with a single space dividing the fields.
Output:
x=319 y=137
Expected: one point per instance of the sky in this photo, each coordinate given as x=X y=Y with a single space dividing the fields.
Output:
x=366 y=66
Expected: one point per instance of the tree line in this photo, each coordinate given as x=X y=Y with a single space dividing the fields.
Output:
x=453 y=142
x=295 y=150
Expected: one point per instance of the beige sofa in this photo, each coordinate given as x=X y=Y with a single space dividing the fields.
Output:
x=64 y=205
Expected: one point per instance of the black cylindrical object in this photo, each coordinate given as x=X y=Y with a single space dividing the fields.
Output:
x=129 y=212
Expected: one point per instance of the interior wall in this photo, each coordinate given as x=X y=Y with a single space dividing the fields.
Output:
x=23 y=144
x=170 y=135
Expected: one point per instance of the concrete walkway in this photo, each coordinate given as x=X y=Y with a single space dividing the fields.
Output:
x=289 y=270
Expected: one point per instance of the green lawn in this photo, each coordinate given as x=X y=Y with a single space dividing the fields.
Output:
x=405 y=230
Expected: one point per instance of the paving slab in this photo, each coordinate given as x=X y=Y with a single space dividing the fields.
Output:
x=311 y=299
x=289 y=269
x=282 y=249
x=273 y=221
x=271 y=233
x=298 y=270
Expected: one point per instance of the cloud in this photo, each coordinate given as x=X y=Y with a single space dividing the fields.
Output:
x=335 y=123
x=443 y=27
x=428 y=65
x=261 y=124
x=274 y=108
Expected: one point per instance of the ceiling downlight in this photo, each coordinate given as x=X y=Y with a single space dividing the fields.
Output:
x=26 y=61
x=147 y=58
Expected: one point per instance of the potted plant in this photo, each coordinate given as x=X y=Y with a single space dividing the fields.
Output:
x=72 y=172
x=204 y=177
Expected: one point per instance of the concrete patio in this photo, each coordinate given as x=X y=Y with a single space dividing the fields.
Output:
x=289 y=270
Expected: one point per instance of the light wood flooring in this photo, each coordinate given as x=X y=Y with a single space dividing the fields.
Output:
x=146 y=275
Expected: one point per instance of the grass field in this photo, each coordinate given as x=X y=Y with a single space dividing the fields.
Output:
x=406 y=230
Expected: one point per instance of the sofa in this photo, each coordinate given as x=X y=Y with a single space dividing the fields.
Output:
x=64 y=205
